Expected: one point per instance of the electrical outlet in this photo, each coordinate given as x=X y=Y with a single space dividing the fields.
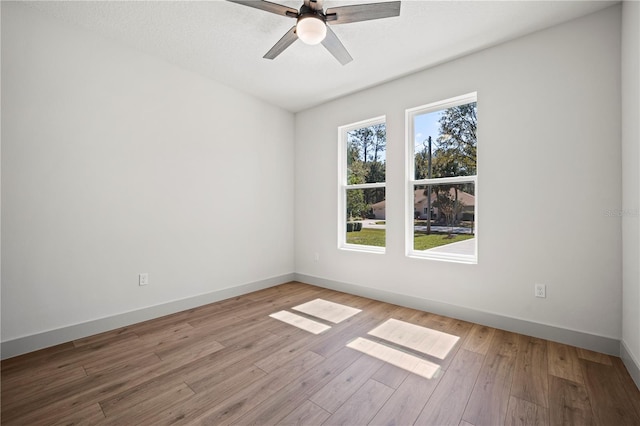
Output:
x=143 y=279
x=541 y=290
x=316 y=257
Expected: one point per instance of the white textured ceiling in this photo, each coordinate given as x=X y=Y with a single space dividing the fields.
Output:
x=226 y=41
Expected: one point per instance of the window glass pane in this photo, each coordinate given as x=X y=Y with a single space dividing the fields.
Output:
x=445 y=142
x=366 y=159
x=444 y=218
x=366 y=213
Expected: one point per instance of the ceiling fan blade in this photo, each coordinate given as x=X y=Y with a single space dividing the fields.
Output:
x=362 y=12
x=335 y=47
x=276 y=8
x=286 y=41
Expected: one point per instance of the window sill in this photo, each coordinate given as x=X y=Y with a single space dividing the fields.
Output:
x=442 y=257
x=363 y=249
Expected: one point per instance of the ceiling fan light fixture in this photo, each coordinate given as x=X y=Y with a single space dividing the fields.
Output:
x=311 y=29
x=311 y=22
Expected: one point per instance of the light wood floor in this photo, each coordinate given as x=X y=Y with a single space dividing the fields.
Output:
x=230 y=363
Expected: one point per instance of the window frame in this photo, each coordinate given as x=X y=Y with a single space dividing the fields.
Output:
x=411 y=182
x=343 y=185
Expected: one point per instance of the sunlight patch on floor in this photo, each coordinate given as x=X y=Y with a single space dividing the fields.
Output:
x=400 y=359
x=421 y=339
x=300 y=322
x=328 y=311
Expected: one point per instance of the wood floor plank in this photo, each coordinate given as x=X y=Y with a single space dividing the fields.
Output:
x=176 y=335
x=123 y=402
x=216 y=394
x=525 y=413
x=610 y=402
x=490 y=396
x=362 y=405
x=18 y=388
x=347 y=299
x=101 y=346
x=89 y=415
x=147 y=405
x=282 y=403
x=329 y=370
x=251 y=396
x=162 y=323
x=358 y=325
x=382 y=312
x=118 y=348
x=252 y=328
x=328 y=344
x=229 y=364
x=214 y=319
x=96 y=365
x=111 y=356
x=458 y=327
x=102 y=337
x=64 y=400
x=271 y=305
x=531 y=378
x=428 y=342
x=446 y=405
x=451 y=326
x=70 y=356
x=92 y=388
x=564 y=362
x=261 y=322
x=594 y=356
x=26 y=361
x=189 y=349
x=282 y=329
x=227 y=382
x=479 y=339
x=278 y=358
x=169 y=333
x=307 y=413
x=390 y=375
x=568 y=403
x=342 y=387
x=282 y=290
x=227 y=316
x=406 y=403
x=233 y=359
x=627 y=383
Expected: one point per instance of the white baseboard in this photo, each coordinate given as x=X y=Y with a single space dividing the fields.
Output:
x=632 y=364
x=46 y=339
x=22 y=345
x=580 y=339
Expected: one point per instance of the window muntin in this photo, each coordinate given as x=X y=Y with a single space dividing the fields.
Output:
x=361 y=218
x=442 y=179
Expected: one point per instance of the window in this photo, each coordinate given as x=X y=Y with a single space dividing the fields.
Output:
x=441 y=196
x=362 y=219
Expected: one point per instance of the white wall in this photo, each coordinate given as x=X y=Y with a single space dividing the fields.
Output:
x=631 y=185
x=116 y=163
x=549 y=168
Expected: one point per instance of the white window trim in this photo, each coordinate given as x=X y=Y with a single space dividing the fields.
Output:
x=411 y=182
x=343 y=187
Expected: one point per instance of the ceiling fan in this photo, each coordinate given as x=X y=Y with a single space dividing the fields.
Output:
x=311 y=26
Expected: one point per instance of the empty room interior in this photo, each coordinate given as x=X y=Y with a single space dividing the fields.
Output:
x=421 y=212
